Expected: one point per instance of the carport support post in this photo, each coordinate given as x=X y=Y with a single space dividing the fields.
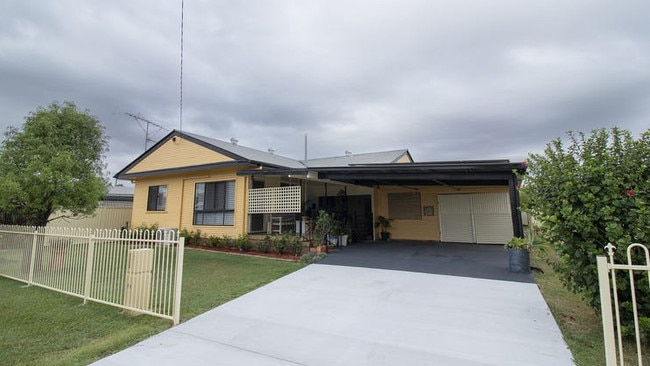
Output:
x=515 y=209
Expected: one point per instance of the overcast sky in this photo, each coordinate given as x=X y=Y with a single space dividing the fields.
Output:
x=449 y=80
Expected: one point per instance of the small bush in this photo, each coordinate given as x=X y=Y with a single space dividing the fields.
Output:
x=214 y=240
x=196 y=236
x=191 y=237
x=244 y=243
x=312 y=257
x=264 y=246
x=228 y=242
x=279 y=243
x=144 y=227
x=295 y=245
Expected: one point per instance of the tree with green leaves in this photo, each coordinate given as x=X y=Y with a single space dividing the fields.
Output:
x=591 y=192
x=53 y=163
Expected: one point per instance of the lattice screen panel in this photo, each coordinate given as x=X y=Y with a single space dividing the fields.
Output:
x=274 y=200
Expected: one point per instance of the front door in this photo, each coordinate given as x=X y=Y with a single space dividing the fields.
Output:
x=354 y=212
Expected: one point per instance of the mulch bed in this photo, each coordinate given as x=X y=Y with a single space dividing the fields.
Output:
x=253 y=253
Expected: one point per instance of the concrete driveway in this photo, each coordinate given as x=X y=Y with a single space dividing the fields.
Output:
x=333 y=314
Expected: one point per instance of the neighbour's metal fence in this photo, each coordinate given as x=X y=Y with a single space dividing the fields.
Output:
x=139 y=271
x=611 y=318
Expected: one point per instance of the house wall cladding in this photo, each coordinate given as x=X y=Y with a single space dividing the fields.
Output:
x=457 y=218
x=179 y=153
x=179 y=208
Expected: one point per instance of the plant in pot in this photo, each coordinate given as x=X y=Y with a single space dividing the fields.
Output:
x=518 y=255
x=322 y=228
x=384 y=224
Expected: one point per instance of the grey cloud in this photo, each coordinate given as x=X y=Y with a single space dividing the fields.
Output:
x=449 y=80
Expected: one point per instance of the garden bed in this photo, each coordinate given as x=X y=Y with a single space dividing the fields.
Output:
x=254 y=253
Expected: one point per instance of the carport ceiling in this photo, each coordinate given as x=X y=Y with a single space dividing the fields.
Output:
x=493 y=172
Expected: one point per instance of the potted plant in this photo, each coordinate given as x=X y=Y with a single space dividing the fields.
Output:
x=322 y=228
x=344 y=235
x=384 y=224
x=518 y=255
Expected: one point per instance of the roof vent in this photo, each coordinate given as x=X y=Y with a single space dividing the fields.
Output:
x=348 y=153
x=271 y=150
x=233 y=141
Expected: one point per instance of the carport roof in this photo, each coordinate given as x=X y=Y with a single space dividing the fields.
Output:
x=466 y=172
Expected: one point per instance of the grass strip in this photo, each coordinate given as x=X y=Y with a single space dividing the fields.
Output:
x=580 y=324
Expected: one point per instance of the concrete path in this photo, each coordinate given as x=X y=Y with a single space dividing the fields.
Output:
x=343 y=315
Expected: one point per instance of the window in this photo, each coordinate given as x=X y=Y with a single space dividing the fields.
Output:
x=404 y=206
x=214 y=203
x=157 y=198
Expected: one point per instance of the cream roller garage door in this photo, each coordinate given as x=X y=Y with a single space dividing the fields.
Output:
x=475 y=218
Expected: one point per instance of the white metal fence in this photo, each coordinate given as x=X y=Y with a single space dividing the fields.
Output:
x=608 y=295
x=139 y=271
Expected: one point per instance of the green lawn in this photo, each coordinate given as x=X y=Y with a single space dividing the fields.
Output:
x=42 y=327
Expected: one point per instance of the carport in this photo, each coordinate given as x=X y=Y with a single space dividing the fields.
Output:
x=471 y=201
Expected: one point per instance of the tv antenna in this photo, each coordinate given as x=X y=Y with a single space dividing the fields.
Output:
x=145 y=124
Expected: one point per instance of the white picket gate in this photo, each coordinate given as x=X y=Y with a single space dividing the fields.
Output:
x=139 y=271
x=608 y=295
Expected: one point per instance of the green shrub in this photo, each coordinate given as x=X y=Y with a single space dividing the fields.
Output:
x=312 y=257
x=294 y=244
x=264 y=246
x=590 y=193
x=214 y=240
x=244 y=243
x=196 y=237
x=191 y=237
x=144 y=227
x=279 y=243
x=228 y=242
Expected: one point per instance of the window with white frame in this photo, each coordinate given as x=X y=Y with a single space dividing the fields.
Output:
x=214 y=203
x=157 y=198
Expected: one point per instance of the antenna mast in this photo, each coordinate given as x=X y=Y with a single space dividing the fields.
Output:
x=180 y=119
x=146 y=129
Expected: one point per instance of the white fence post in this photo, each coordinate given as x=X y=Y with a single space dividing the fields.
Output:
x=179 y=281
x=606 y=310
x=612 y=332
x=33 y=259
x=89 y=267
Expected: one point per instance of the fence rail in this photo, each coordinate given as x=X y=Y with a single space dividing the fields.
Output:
x=611 y=317
x=138 y=271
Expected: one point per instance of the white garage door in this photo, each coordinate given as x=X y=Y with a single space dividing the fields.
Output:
x=475 y=218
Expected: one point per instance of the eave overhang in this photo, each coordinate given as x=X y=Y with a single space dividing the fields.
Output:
x=498 y=172
x=194 y=168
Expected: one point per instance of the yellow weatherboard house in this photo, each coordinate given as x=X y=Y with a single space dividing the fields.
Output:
x=193 y=182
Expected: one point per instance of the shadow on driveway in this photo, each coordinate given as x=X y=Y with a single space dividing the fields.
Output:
x=485 y=261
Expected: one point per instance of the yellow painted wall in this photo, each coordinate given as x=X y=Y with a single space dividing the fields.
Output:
x=179 y=206
x=429 y=227
x=179 y=153
x=164 y=219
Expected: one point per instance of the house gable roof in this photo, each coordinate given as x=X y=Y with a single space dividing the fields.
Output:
x=246 y=153
x=210 y=153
